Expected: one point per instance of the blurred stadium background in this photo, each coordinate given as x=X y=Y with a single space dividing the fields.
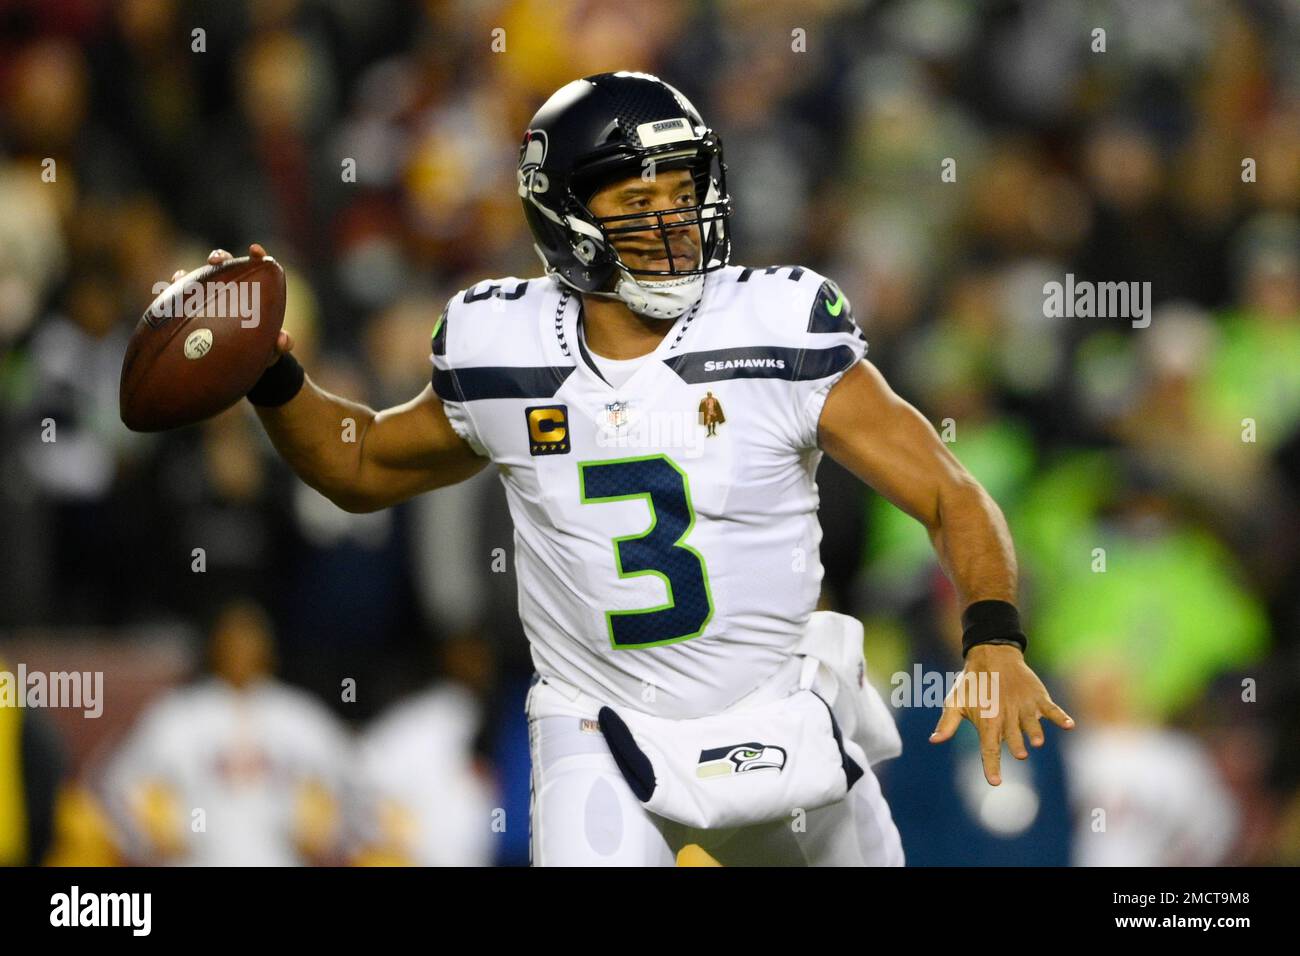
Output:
x=1180 y=660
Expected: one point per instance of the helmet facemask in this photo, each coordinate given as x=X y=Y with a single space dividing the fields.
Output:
x=662 y=293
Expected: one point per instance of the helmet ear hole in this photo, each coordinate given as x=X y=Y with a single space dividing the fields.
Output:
x=585 y=251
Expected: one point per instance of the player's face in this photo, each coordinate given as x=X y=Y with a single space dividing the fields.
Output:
x=644 y=248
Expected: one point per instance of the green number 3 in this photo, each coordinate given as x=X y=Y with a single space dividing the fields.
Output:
x=658 y=550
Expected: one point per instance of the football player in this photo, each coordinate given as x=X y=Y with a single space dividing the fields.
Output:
x=659 y=572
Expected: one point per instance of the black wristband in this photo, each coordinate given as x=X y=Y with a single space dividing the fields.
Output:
x=279 y=383
x=991 y=622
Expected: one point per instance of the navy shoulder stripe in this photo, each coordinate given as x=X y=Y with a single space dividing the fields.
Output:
x=499 y=381
x=791 y=364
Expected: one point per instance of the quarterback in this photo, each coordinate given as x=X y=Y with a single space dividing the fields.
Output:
x=656 y=415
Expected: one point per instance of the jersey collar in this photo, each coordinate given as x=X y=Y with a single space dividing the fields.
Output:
x=568 y=341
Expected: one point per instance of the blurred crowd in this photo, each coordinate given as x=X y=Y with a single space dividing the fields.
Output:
x=363 y=692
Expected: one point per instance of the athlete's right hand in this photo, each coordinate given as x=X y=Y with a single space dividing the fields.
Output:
x=283 y=342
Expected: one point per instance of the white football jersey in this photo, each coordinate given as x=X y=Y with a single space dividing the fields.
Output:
x=666 y=535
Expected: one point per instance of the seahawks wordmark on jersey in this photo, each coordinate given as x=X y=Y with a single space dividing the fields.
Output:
x=667 y=558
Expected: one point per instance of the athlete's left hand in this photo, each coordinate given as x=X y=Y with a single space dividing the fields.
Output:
x=1004 y=699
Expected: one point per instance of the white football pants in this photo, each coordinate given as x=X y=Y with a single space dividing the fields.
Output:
x=584 y=814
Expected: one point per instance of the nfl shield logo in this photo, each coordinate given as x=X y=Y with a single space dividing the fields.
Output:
x=616 y=414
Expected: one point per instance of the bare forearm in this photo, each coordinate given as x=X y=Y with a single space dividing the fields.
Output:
x=973 y=543
x=363 y=460
x=319 y=435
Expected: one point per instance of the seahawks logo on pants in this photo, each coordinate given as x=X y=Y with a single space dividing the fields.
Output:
x=739 y=758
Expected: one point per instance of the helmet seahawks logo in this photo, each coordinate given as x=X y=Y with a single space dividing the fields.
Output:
x=739 y=758
x=531 y=157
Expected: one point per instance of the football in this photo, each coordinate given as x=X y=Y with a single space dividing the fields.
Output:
x=202 y=344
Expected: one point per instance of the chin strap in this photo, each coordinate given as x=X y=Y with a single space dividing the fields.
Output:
x=666 y=300
x=660 y=300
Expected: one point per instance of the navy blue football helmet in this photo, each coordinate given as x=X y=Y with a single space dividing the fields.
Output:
x=603 y=128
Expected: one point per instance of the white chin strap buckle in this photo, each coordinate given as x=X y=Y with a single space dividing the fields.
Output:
x=660 y=300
